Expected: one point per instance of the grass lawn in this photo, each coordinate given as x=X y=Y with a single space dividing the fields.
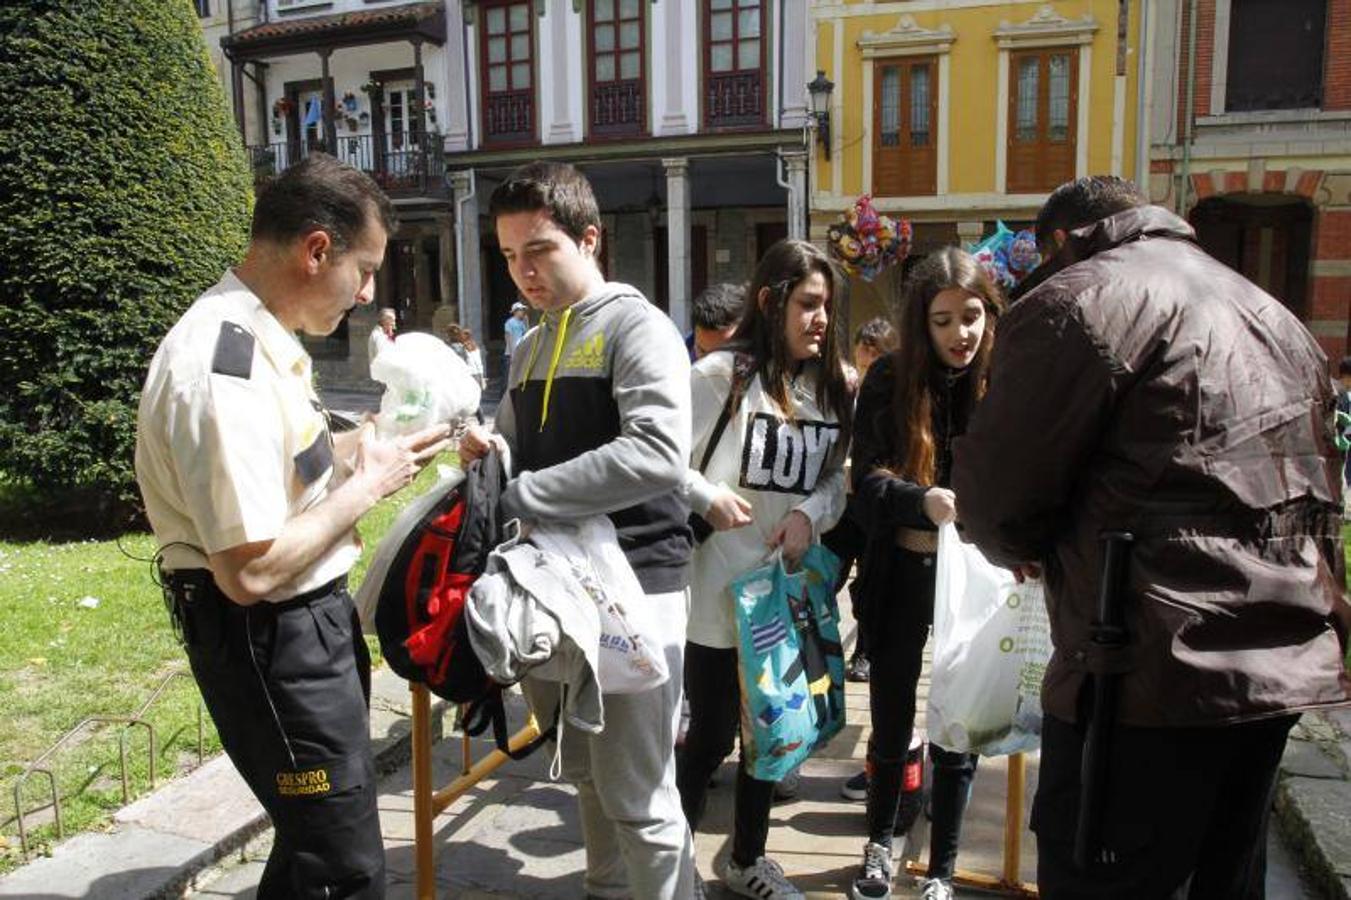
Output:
x=64 y=657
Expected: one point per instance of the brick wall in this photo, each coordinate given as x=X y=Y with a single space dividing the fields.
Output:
x=1337 y=57
x=1330 y=294
x=1205 y=59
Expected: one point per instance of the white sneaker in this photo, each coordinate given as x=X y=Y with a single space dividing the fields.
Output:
x=764 y=879
x=936 y=889
x=874 y=878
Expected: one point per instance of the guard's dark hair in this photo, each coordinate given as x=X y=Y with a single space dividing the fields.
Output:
x=556 y=187
x=877 y=334
x=719 y=306
x=1085 y=201
x=761 y=330
x=1345 y=368
x=319 y=193
x=914 y=454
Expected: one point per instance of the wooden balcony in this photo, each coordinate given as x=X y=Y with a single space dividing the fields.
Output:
x=617 y=108
x=736 y=99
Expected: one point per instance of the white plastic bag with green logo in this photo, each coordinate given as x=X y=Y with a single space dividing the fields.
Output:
x=992 y=641
x=426 y=384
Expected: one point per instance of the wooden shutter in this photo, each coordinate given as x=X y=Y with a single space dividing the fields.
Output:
x=1043 y=118
x=905 y=127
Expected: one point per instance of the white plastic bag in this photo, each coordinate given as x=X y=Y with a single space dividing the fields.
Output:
x=426 y=383
x=991 y=644
x=631 y=655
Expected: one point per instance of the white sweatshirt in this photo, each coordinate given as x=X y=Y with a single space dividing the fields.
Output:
x=777 y=465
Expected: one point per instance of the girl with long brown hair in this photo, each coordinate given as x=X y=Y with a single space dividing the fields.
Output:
x=911 y=406
x=771 y=476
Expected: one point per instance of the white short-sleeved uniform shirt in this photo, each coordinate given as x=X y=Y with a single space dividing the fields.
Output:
x=231 y=441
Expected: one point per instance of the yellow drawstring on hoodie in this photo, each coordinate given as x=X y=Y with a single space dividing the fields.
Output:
x=553 y=362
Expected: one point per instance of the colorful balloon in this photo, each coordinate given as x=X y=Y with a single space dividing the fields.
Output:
x=865 y=243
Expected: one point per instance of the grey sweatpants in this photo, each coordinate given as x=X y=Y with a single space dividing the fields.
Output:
x=637 y=841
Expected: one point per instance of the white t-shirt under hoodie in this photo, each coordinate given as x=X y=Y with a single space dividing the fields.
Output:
x=776 y=463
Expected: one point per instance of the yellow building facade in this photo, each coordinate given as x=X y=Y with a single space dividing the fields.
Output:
x=957 y=113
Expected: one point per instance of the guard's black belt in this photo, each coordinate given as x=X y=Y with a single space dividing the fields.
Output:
x=194 y=583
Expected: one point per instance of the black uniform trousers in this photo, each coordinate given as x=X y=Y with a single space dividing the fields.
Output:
x=288 y=687
x=1185 y=817
x=900 y=628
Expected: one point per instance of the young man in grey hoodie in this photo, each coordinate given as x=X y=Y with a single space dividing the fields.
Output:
x=597 y=421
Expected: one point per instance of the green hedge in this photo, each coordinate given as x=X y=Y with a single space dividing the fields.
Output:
x=124 y=192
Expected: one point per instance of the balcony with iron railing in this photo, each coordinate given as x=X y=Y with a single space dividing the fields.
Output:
x=617 y=108
x=735 y=99
x=407 y=164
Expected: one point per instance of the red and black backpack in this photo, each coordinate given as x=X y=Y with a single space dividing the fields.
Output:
x=420 y=614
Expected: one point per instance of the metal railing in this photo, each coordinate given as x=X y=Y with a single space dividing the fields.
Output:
x=735 y=98
x=617 y=107
x=39 y=766
x=409 y=162
x=509 y=116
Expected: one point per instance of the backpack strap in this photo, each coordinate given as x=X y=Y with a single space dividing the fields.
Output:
x=491 y=712
x=743 y=370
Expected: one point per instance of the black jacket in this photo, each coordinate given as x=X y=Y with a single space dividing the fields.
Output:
x=883 y=501
x=1142 y=385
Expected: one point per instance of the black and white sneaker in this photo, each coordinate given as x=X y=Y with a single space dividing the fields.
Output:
x=859 y=668
x=763 y=879
x=856 y=788
x=874 y=878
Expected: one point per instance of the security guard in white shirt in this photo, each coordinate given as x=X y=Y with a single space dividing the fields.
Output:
x=253 y=503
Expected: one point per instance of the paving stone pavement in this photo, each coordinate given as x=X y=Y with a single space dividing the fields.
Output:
x=517 y=836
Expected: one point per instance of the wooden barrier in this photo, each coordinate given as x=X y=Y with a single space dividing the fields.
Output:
x=429 y=803
x=1009 y=881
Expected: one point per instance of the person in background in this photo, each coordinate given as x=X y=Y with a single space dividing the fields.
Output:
x=873 y=339
x=461 y=340
x=382 y=335
x=1141 y=385
x=716 y=312
x=1344 y=432
x=517 y=324
x=798 y=394
x=913 y=404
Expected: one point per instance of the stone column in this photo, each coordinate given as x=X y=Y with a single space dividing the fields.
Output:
x=678 y=240
x=470 y=301
x=796 y=164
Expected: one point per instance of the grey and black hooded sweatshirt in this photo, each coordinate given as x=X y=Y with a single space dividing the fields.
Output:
x=597 y=416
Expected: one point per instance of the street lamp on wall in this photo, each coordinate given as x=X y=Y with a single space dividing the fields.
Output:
x=820 y=89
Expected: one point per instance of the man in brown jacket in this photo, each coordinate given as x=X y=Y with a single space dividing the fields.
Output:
x=1140 y=385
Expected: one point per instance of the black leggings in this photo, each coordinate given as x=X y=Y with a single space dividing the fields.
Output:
x=713 y=690
x=897 y=655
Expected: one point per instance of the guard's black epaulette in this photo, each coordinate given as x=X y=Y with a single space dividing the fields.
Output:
x=234 y=351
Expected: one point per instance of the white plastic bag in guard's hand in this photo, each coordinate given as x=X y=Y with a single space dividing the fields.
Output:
x=991 y=645
x=426 y=383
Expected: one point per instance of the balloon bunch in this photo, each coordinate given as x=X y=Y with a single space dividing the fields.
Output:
x=1008 y=256
x=865 y=243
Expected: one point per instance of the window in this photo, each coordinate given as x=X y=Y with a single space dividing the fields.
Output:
x=617 y=48
x=1043 y=111
x=203 y=9
x=905 y=114
x=1275 y=54
x=734 y=62
x=507 y=54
